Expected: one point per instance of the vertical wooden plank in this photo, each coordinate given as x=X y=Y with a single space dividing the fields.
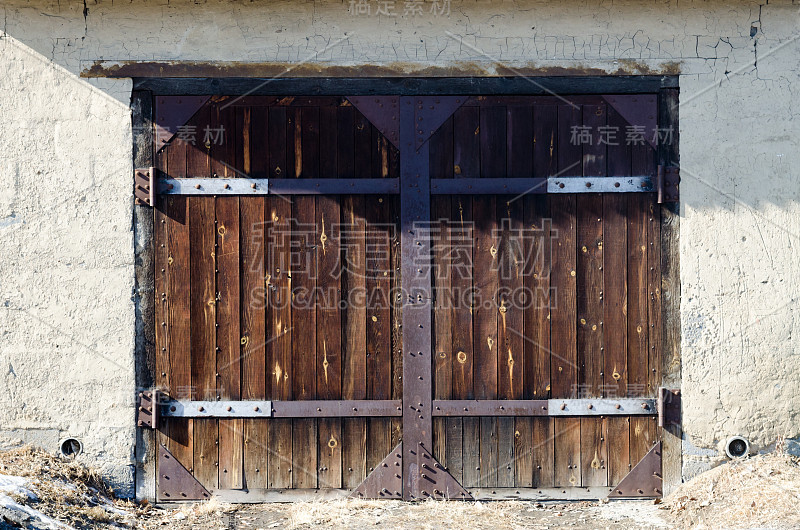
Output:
x=466 y=142
x=310 y=142
x=637 y=295
x=442 y=321
x=178 y=319
x=471 y=450
x=567 y=439
x=252 y=123
x=363 y=147
x=563 y=318
x=397 y=301
x=330 y=453
x=462 y=241
x=510 y=348
x=545 y=136
x=506 y=465
x=590 y=291
x=638 y=329
x=671 y=459
x=441 y=166
x=485 y=313
x=160 y=285
x=455 y=448
x=279 y=307
x=345 y=146
x=523 y=452
x=304 y=332
x=615 y=298
x=328 y=314
x=615 y=328
x=441 y=151
x=279 y=321
x=328 y=142
x=589 y=301
x=378 y=319
x=202 y=235
x=643 y=432
x=569 y=151
x=618 y=436
x=654 y=295
x=563 y=308
x=493 y=141
x=520 y=141
x=229 y=361
x=590 y=263
x=538 y=375
x=543 y=445
x=594 y=452
x=329 y=338
x=354 y=336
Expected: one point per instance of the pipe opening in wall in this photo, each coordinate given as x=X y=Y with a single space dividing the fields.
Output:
x=737 y=447
x=71 y=447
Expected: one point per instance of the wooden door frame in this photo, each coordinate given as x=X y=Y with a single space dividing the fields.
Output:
x=145 y=89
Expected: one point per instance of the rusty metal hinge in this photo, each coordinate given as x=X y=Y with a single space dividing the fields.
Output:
x=667 y=184
x=147 y=413
x=669 y=407
x=144 y=186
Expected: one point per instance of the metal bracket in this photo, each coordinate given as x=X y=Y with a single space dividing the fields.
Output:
x=175 y=483
x=430 y=112
x=383 y=112
x=386 y=480
x=644 y=480
x=427 y=478
x=144 y=188
x=639 y=110
x=147 y=413
x=669 y=407
x=173 y=112
x=667 y=181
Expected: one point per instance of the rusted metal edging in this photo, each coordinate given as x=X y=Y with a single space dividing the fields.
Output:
x=544 y=407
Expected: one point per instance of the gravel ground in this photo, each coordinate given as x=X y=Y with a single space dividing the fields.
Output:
x=393 y=514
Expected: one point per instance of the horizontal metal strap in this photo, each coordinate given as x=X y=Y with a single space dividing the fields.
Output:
x=519 y=186
x=600 y=185
x=257 y=186
x=216 y=409
x=280 y=409
x=545 y=407
x=336 y=409
x=334 y=186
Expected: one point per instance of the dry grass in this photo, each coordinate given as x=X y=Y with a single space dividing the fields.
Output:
x=758 y=492
x=67 y=491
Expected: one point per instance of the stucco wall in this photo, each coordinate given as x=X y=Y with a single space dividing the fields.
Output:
x=66 y=309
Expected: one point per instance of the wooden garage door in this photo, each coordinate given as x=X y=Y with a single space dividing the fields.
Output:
x=298 y=296
x=543 y=296
x=284 y=298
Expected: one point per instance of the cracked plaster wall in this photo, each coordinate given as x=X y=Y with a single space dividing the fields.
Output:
x=66 y=309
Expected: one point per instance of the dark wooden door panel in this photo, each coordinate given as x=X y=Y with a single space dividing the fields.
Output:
x=298 y=297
